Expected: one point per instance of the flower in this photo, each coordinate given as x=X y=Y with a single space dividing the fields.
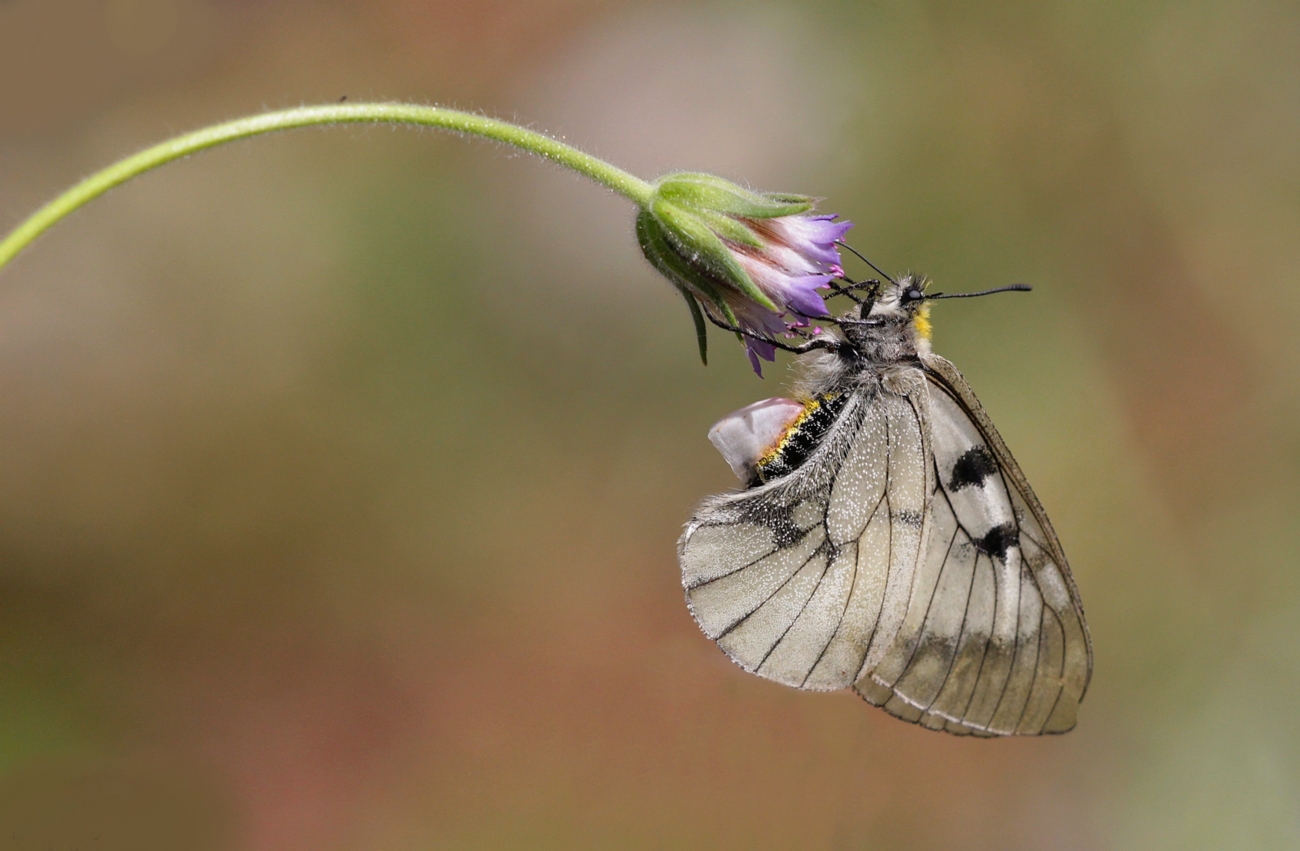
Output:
x=753 y=261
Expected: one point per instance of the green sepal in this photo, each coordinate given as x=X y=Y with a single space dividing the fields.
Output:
x=663 y=256
x=788 y=198
x=729 y=316
x=732 y=230
x=695 y=239
x=700 y=192
x=701 y=330
x=688 y=281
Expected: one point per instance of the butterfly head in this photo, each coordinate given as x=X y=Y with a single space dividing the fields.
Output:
x=895 y=310
x=896 y=302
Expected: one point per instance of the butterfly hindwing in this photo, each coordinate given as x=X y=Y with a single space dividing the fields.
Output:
x=755 y=564
x=822 y=559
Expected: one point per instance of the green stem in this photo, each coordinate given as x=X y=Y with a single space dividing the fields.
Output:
x=97 y=184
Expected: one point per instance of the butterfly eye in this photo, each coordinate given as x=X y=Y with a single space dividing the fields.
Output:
x=913 y=295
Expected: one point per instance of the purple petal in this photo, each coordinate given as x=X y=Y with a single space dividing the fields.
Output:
x=758 y=349
x=801 y=294
x=757 y=319
x=822 y=229
x=770 y=274
x=812 y=236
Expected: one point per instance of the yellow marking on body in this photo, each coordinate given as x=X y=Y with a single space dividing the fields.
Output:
x=778 y=447
x=922 y=322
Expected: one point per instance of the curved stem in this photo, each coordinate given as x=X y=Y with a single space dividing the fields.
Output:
x=97 y=184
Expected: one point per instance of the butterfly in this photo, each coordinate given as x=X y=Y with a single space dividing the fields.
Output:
x=886 y=540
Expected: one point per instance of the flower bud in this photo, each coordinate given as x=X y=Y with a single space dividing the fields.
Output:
x=754 y=261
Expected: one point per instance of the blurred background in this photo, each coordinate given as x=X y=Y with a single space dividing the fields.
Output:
x=341 y=471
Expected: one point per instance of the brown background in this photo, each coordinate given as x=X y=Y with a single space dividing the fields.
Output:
x=340 y=471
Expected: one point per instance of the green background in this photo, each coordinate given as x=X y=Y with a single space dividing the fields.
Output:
x=341 y=471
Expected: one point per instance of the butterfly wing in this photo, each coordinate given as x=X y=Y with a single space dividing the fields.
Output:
x=994 y=641
x=806 y=580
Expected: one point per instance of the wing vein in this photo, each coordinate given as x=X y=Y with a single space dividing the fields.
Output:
x=857 y=560
x=1037 y=655
x=1011 y=668
x=1060 y=689
x=889 y=547
x=802 y=609
x=984 y=653
x=731 y=572
x=853 y=584
x=889 y=565
x=970 y=589
x=1036 y=542
x=769 y=597
x=938 y=580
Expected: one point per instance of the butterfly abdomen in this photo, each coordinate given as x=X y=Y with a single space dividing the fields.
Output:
x=801 y=438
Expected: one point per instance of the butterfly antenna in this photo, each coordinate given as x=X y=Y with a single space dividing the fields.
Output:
x=1010 y=288
x=865 y=260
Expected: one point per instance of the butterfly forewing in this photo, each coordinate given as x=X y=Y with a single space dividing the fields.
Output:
x=1003 y=648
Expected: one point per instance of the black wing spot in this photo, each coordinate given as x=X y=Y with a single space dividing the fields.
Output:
x=998 y=541
x=973 y=468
